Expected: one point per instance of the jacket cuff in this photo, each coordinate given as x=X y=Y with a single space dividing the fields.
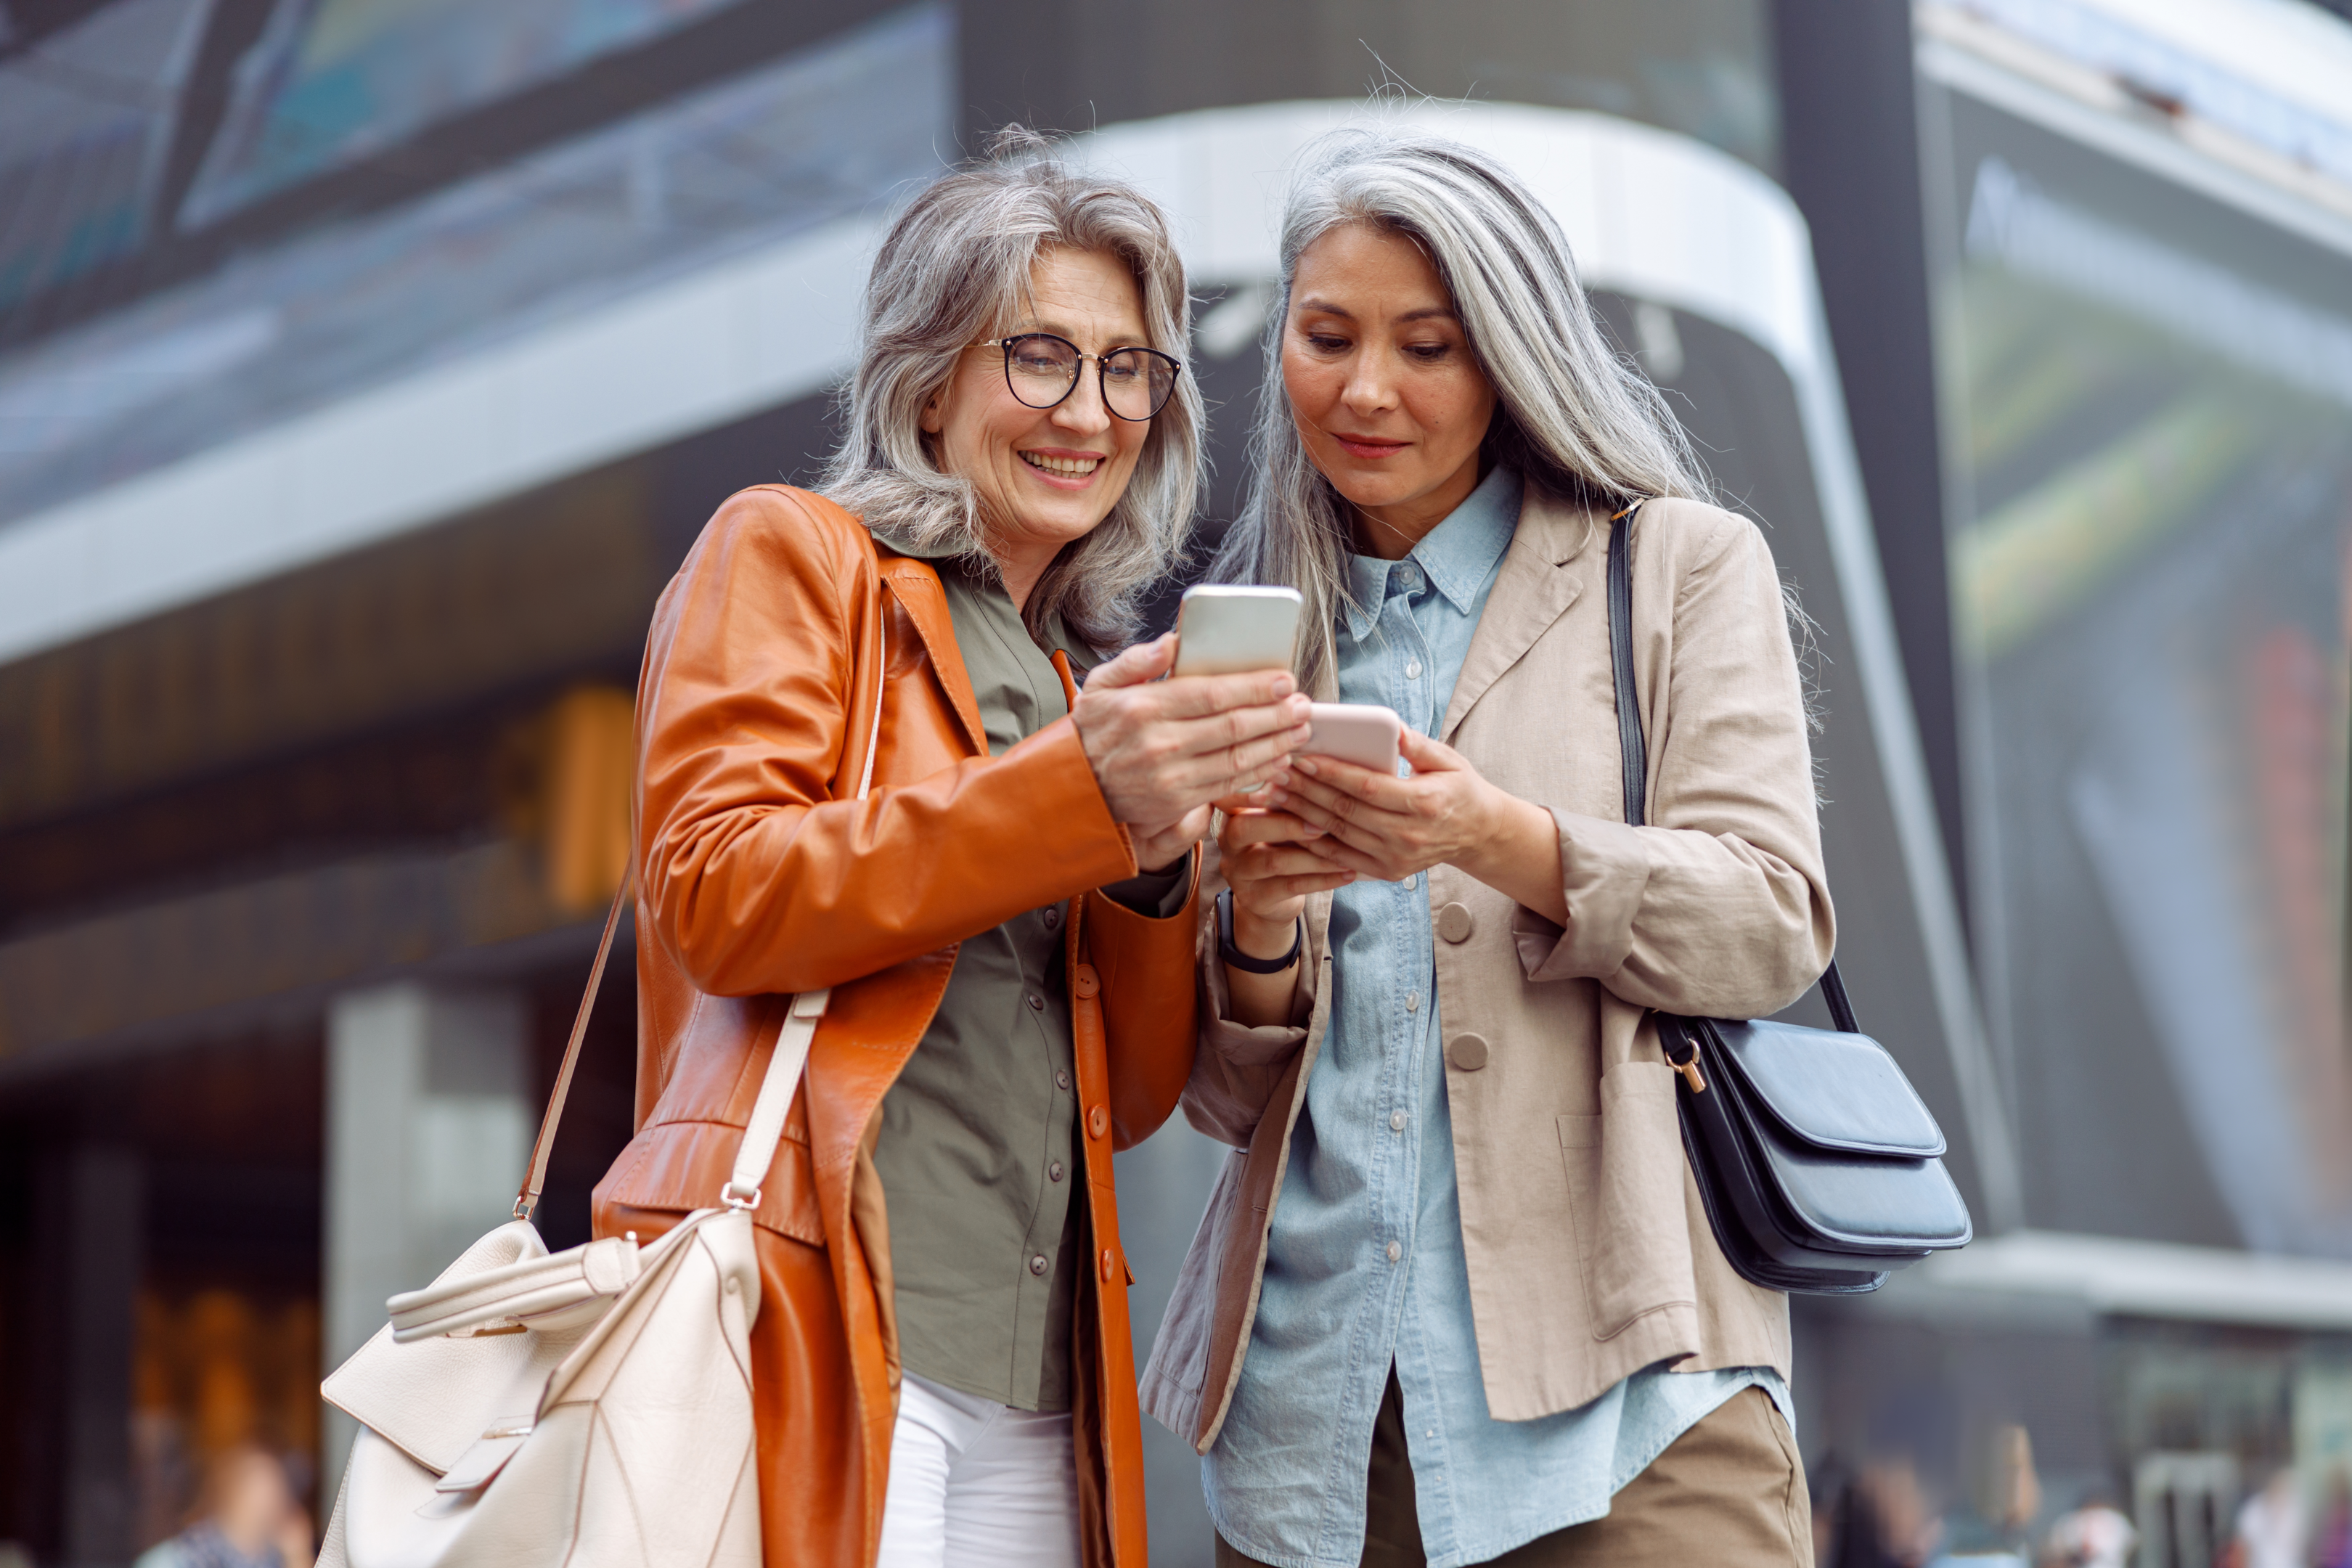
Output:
x=1066 y=801
x=1604 y=868
x=1245 y=1045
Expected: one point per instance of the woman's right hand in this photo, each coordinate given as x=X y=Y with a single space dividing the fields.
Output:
x=1162 y=750
x=1264 y=856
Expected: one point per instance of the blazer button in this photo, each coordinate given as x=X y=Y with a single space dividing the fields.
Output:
x=1106 y=1264
x=1098 y=1122
x=1454 y=922
x=1468 y=1052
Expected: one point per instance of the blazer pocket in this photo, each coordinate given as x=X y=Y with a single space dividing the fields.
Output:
x=1625 y=1186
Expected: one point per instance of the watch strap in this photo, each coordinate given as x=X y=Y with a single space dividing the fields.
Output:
x=1243 y=961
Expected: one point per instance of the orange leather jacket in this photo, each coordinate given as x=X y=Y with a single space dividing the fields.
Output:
x=761 y=874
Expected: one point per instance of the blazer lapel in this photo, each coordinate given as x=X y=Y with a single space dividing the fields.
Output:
x=916 y=585
x=1534 y=589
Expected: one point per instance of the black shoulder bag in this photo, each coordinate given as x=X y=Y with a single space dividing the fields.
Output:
x=1817 y=1162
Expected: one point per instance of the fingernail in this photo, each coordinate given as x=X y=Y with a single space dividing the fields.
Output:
x=1273 y=794
x=1306 y=766
x=1284 y=686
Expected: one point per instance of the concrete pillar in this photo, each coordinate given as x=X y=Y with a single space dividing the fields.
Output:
x=96 y=1219
x=429 y=1120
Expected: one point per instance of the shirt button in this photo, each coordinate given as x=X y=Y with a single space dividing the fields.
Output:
x=1037 y=1003
x=1054 y=1171
x=1411 y=881
x=1062 y=1081
x=1412 y=1003
x=1037 y=1264
x=1413 y=670
x=1395 y=1252
x=1396 y=1121
x=1053 y=919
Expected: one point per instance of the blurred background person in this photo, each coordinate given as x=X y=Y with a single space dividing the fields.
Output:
x=245 y=1517
x=2093 y=1534
x=2273 y=1527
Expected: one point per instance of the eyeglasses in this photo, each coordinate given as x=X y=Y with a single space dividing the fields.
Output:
x=1041 y=370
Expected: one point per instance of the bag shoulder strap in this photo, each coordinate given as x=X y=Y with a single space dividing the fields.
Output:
x=534 y=1180
x=766 y=1127
x=1633 y=749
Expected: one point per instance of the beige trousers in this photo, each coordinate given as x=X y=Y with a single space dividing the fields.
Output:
x=1729 y=1492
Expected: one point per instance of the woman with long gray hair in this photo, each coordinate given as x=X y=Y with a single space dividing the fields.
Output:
x=863 y=763
x=1456 y=1300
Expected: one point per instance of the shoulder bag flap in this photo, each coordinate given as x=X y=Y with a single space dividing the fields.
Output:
x=1834 y=1091
x=1822 y=1201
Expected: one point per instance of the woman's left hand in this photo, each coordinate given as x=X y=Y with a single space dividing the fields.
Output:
x=1445 y=814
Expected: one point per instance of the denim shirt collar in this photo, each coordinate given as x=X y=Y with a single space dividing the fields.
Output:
x=1457 y=556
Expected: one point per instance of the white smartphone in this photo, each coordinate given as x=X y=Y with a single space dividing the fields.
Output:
x=1225 y=629
x=1364 y=733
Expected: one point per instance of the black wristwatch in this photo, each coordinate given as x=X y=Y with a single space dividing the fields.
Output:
x=1243 y=961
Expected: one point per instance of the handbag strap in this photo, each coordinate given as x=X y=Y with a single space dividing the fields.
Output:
x=1634 y=750
x=766 y=1127
x=534 y=1180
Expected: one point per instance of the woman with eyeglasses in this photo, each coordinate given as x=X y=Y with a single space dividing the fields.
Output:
x=864 y=762
x=1456 y=1300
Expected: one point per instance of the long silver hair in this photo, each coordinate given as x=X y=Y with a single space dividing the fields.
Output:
x=954 y=270
x=1571 y=415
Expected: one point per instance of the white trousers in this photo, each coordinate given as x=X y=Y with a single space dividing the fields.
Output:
x=975 y=1484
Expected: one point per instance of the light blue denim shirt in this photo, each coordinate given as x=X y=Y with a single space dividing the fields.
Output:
x=1364 y=1266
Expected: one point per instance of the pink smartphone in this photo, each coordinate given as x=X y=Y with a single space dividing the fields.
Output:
x=1364 y=733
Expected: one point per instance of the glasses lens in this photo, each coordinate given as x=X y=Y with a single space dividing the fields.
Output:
x=1041 y=370
x=1136 y=382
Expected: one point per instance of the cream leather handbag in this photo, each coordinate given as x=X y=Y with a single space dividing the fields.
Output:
x=589 y=1409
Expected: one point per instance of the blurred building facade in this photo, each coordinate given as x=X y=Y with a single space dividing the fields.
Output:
x=367 y=365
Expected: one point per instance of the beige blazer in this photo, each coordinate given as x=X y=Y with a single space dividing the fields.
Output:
x=1589 y=1255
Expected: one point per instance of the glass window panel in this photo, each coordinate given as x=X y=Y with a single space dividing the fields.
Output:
x=85 y=126
x=833 y=129
x=334 y=80
x=2149 y=427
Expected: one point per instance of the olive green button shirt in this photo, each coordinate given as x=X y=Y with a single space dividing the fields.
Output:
x=979 y=1156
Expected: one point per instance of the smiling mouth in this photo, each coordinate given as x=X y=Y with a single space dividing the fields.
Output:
x=1067 y=468
x=1368 y=446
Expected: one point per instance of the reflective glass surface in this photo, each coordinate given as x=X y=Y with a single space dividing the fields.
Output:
x=2148 y=413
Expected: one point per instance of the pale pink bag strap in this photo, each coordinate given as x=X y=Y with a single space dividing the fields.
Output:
x=535 y=1180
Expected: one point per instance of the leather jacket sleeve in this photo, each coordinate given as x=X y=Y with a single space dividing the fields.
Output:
x=759 y=880
x=1146 y=965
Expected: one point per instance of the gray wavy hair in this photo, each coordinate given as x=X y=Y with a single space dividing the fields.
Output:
x=1571 y=415
x=954 y=270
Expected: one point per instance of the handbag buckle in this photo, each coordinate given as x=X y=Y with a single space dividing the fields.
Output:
x=1686 y=1064
x=735 y=1197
